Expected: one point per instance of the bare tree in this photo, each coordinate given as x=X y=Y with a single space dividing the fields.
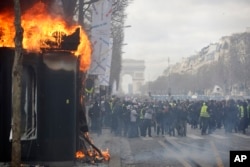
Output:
x=118 y=19
x=16 y=95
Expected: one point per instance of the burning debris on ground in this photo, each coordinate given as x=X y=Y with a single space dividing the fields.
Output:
x=90 y=153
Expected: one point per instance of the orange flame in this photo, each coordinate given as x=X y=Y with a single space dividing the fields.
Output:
x=39 y=27
x=106 y=155
x=94 y=154
x=80 y=155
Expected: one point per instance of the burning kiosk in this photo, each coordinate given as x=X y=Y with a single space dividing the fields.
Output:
x=54 y=126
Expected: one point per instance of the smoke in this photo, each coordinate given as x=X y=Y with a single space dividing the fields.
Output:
x=55 y=63
x=54 y=6
x=25 y=4
x=62 y=8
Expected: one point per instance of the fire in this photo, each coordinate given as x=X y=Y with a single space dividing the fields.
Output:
x=80 y=155
x=40 y=27
x=106 y=155
x=94 y=154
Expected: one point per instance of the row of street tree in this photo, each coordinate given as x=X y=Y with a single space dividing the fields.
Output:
x=230 y=72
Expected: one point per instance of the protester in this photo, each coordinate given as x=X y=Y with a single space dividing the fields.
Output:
x=148 y=118
x=95 y=117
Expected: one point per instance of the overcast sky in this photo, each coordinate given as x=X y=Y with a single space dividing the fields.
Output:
x=179 y=28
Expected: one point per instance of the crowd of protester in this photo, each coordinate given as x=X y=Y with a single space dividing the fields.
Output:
x=138 y=117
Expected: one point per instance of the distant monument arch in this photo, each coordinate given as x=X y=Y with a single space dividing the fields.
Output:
x=134 y=68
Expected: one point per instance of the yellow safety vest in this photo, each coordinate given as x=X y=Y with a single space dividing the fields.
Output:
x=241 y=112
x=204 y=112
x=141 y=114
x=89 y=90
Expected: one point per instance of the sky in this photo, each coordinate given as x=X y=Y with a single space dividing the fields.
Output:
x=163 y=29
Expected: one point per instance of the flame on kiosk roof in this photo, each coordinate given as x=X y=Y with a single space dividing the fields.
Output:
x=41 y=30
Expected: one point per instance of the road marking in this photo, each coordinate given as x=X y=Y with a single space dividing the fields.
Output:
x=216 y=154
x=218 y=136
x=181 y=160
x=241 y=135
x=194 y=137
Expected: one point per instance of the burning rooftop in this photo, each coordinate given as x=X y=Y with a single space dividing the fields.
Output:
x=45 y=31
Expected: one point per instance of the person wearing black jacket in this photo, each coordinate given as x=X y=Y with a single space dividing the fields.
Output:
x=230 y=116
x=95 y=116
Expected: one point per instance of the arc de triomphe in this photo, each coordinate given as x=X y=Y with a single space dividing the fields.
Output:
x=134 y=68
